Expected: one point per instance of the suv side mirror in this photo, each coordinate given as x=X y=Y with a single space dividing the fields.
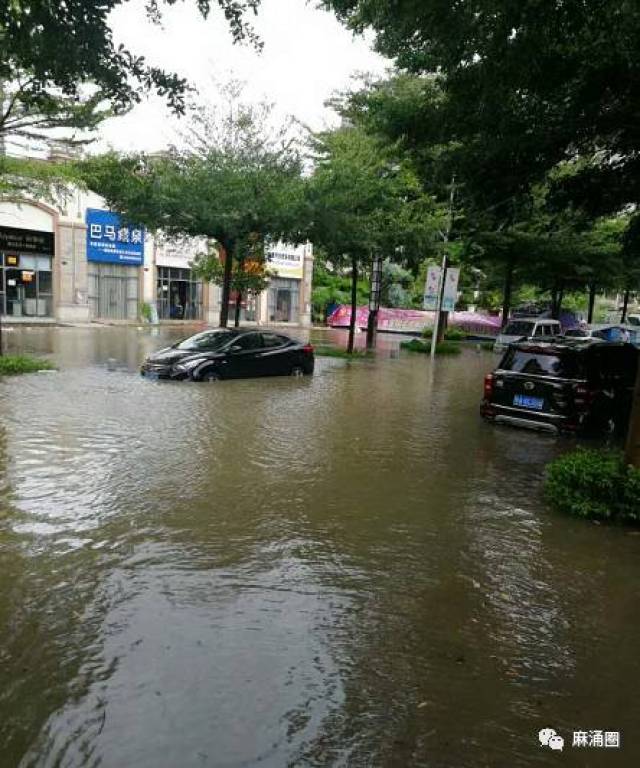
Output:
x=235 y=348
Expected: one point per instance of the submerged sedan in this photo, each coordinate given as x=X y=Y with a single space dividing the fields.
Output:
x=231 y=354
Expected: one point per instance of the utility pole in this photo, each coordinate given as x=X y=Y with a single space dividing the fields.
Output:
x=439 y=320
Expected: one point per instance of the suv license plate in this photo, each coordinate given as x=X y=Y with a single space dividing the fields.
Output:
x=524 y=401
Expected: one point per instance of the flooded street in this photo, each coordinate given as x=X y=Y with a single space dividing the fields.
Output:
x=350 y=569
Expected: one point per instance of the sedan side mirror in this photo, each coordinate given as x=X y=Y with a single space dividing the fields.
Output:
x=235 y=348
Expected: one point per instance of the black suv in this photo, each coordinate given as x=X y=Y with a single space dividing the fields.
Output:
x=581 y=385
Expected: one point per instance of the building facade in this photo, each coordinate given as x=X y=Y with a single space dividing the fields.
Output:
x=79 y=262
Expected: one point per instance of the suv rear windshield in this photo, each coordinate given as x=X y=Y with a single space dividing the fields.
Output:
x=564 y=366
x=519 y=328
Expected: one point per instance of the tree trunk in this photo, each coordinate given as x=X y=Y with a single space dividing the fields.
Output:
x=354 y=304
x=236 y=319
x=442 y=326
x=632 y=449
x=508 y=287
x=625 y=306
x=372 y=328
x=592 y=302
x=226 y=283
x=557 y=295
x=559 y=305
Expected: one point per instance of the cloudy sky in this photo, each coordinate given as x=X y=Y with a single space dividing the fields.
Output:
x=307 y=56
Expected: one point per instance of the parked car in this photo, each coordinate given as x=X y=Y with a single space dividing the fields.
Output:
x=607 y=332
x=524 y=328
x=231 y=354
x=571 y=385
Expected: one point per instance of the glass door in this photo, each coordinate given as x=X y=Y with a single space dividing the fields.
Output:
x=14 y=292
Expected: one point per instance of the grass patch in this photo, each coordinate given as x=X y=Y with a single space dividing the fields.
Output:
x=424 y=347
x=596 y=485
x=357 y=354
x=15 y=365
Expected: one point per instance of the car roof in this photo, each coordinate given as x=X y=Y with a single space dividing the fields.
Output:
x=559 y=344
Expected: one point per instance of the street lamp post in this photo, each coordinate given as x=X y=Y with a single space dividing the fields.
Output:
x=439 y=318
x=374 y=301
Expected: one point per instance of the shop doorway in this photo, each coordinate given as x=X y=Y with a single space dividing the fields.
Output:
x=179 y=296
x=284 y=298
x=113 y=291
x=26 y=286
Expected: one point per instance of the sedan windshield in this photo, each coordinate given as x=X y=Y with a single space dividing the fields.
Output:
x=205 y=341
x=519 y=328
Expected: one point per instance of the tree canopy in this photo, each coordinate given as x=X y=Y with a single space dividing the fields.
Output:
x=65 y=46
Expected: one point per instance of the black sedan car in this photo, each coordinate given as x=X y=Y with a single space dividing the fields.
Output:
x=563 y=385
x=231 y=354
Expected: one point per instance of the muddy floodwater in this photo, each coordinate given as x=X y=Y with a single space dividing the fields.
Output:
x=350 y=569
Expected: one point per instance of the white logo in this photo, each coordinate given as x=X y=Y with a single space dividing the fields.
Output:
x=549 y=738
x=556 y=742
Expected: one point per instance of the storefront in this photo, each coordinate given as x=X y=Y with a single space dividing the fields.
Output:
x=288 y=295
x=26 y=272
x=179 y=294
x=115 y=254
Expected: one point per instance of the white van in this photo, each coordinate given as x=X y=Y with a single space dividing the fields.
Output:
x=525 y=328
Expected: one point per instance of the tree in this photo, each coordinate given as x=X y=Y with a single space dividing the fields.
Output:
x=528 y=85
x=249 y=275
x=366 y=200
x=233 y=180
x=64 y=47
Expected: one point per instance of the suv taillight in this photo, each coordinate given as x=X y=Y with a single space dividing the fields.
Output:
x=488 y=385
x=582 y=396
x=308 y=349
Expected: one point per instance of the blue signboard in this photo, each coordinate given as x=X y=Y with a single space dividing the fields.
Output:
x=111 y=241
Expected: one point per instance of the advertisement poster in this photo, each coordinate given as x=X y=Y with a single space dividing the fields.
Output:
x=431 y=287
x=450 y=294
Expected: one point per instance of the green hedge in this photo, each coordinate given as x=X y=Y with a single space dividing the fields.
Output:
x=444 y=348
x=451 y=334
x=14 y=365
x=595 y=485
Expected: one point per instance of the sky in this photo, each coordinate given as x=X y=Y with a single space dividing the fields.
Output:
x=307 y=56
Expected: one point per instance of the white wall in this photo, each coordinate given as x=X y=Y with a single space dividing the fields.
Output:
x=25 y=216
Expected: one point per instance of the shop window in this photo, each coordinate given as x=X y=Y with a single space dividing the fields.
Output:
x=26 y=286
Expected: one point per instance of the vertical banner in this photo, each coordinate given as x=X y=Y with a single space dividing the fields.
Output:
x=431 y=286
x=450 y=294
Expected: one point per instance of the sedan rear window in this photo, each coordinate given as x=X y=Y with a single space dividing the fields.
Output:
x=518 y=328
x=566 y=366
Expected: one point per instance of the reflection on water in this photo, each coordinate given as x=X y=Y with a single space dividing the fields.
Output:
x=346 y=570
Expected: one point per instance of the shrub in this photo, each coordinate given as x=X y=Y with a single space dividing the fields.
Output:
x=145 y=312
x=14 y=365
x=595 y=485
x=444 y=348
x=451 y=334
